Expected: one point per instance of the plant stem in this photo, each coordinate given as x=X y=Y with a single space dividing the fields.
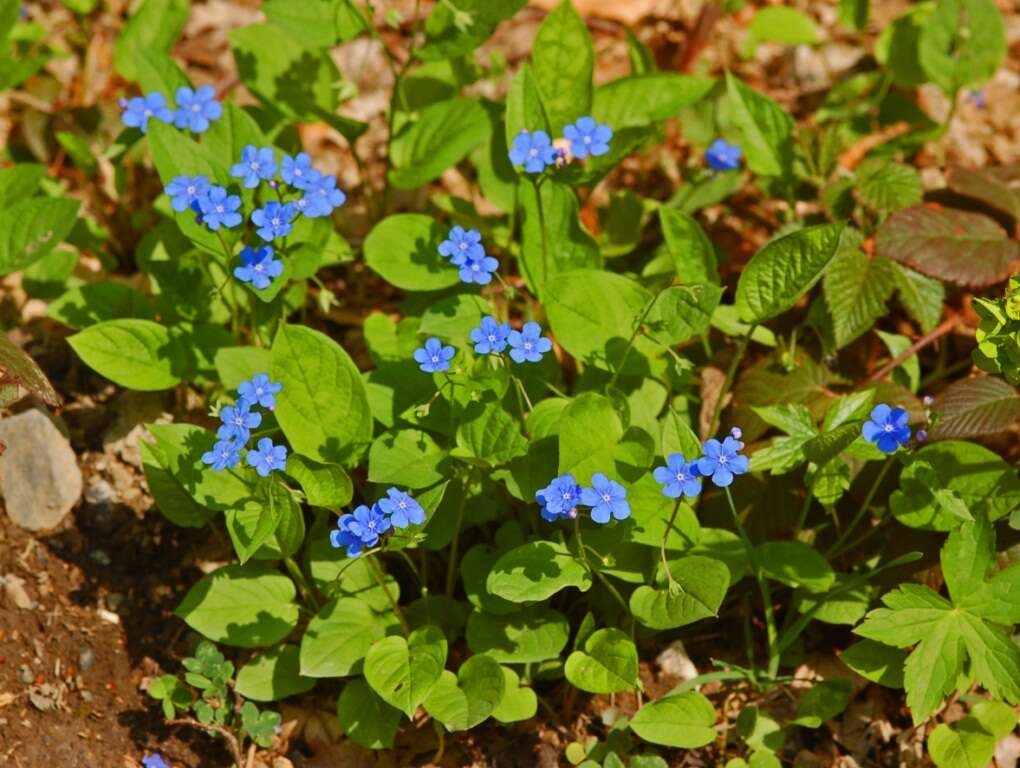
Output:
x=665 y=537
x=451 y=567
x=837 y=547
x=373 y=565
x=306 y=591
x=728 y=381
x=763 y=586
x=633 y=337
x=541 y=227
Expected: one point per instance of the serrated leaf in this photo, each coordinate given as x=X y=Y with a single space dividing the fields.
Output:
x=977 y=406
x=996 y=186
x=856 y=288
x=887 y=186
x=18 y=368
x=920 y=296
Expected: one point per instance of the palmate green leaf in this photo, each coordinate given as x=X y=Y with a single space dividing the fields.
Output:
x=322 y=407
x=966 y=558
x=518 y=702
x=30 y=229
x=524 y=110
x=701 y=586
x=568 y=245
x=766 y=130
x=339 y=636
x=962 y=43
x=466 y=699
x=365 y=718
x=529 y=634
x=608 y=663
x=154 y=26
x=856 y=288
x=137 y=354
x=404 y=250
x=563 y=59
x=683 y=720
x=641 y=100
x=784 y=270
x=273 y=675
x=403 y=671
x=997 y=599
x=536 y=571
x=442 y=136
x=246 y=606
x=693 y=253
x=978 y=406
x=445 y=38
x=796 y=564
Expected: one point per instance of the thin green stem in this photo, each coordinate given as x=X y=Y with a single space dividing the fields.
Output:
x=376 y=569
x=580 y=542
x=837 y=547
x=763 y=586
x=633 y=337
x=451 y=566
x=523 y=391
x=302 y=583
x=615 y=593
x=541 y=227
x=731 y=372
x=665 y=537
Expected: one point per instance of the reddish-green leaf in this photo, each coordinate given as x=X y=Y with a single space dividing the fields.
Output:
x=18 y=368
x=978 y=406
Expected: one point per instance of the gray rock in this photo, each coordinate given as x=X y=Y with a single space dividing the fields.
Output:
x=86 y=658
x=39 y=476
x=14 y=591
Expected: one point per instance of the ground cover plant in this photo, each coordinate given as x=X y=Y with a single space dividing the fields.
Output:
x=480 y=452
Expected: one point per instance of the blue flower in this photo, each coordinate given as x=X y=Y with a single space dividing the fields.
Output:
x=678 y=478
x=219 y=208
x=268 y=457
x=560 y=498
x=461 y=244
x=723 y=156
x=528 y=344
x=588 y=137
x=258 y=267
x=722 y=461
x=155 y=760
x=256 y=165
x=185 y=191
x=402 y=509
x=225 y=454
x=196 y=108
x=887 y=428
x=259 y=391
x=238 y=422
x=360 y=529
x=139 y=109
x=478 y=269
x=273 y=220
x=434 y=357
x=532 y=150
x=607 y=499
x=323 y=196
x=490 y=336
x=297 y=171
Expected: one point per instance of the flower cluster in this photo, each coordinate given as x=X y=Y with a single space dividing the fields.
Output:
x=606 y=498
x=490 y=338
x=362 y=528
x=887 y=428
x=723 y=156
x=237 y=422
x=720 y=461
x=535 y=150
x=195 y=109
x=464 y=249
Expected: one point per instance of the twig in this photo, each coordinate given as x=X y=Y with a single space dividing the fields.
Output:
x=232 y=742
x=932 y=336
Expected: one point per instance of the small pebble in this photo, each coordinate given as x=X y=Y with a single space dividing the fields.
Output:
x=25 y=674
x=86 y=658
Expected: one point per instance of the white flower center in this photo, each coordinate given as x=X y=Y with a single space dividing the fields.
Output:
x=606 y=497
x=888 y=427
x=492 y=338
x=722 y=459
x=219 y=209
x=196 y=107
x=533 y=153
x=566 y=495
x=435 y=359
x=191 y=191
x=475 y=267
x=259 y=267
x=681 y=477
x=148 y=113
x=275 y=221
x=402 y=504
x=527 y=345
x=463 y=246
x=587 y=139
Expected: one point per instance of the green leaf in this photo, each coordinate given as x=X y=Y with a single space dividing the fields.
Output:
x=962 y=43
x=365 y=718
x=825 y=700
x=247 y=606
x=608 y=663
x=777 y=24
x=766 y=129
x=590 y=430
x=784 y=270
x=30 y=229
x=966 y=745
x=339 y=636
x=524 y=110
x=796 y=564
x=407 y=457
x=174 y=503
x=174 y=695
x=137 y=354
x=886 y=186
x=960 y=247
x=466 y=699
x=403 y=671
x=442 y=136
x=518 y=703
x=682 y=312
x=701 y=585
x=452 y=318
x=273 y=675
x=92 y=303
x=19 y=182
x=568 y=245
x=683 y=720
x=449 y=35
x=921 y=296
x=489 y=434
x=641 y=100
x=16 y=367
x=323 y=406
x=996 y=599
x=593 y=314
x=404 y=250
x=692 y=252
x=829 y=445
x=877 y=662
x=536 y=571
x=324 y=485
x=319 y=24
x=966 y=557
x=333 y=573
x=854 y=13
x=972 y=407
x=528 y=635
x=154 y=26
x=563 y=60
x=856 y=288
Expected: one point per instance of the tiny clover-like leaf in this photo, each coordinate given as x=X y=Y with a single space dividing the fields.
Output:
x=168 y=690
x=946 y=633
x=260 y=726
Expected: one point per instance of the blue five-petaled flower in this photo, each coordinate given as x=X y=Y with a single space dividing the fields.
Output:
x=434 y=357
x=360 y=529
x=678 y=478
x=723 y=156
x=238 y=422
x=260 y=390
x=273 y=220
x=462 y=244
x=887 y=428
x=587 y=137
x=490 y=337
x=560 y=498
x=403 y=510
x=258 y=267
x=607 y=499
x=219 y=208
x=186 y=191
x=322 y=196
x=722 y=461
x=268 y=457
x=297 y=171
x=225 y=454
x=256 y=164
x=532 y=150
x=196 y=108
x=478 y=269
x=528 y=344
x=139 y=109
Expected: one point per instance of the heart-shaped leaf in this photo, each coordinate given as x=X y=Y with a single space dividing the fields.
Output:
x=700 y=585
x=403 y=671
x=518 y=703
x=464 y=700
x=536 y=571
x=682 y=720
x=608 y=663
